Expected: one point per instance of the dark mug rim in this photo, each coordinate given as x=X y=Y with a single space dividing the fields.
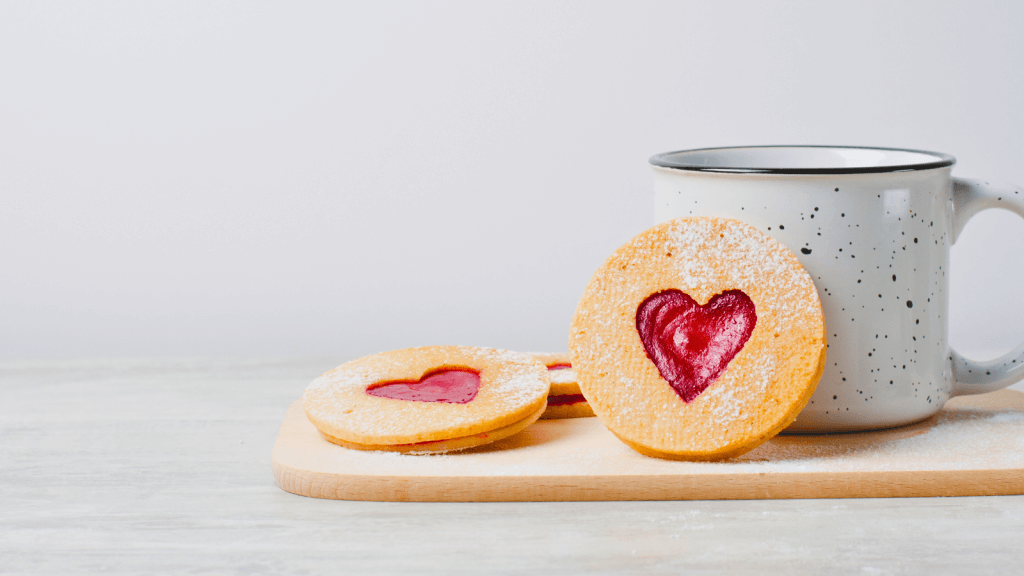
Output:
x=674 y=161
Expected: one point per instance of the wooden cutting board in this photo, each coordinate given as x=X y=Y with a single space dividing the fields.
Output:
x=974 y=446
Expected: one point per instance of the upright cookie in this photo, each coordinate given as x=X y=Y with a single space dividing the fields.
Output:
x=431 y=399
x=565 y=400
x=698 y=339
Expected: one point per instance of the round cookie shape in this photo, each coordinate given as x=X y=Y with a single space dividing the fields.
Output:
x=565 y=400
x=387 y=399
x=698 y=339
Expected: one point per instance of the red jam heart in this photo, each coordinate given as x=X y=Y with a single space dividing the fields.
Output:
x=454 y=386
x=691 y=345
x=559 y=366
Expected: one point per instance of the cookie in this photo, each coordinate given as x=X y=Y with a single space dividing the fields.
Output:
x=565 y=400
x=427 y=400
x=698 y=339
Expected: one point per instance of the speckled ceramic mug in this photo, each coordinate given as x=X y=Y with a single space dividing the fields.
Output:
x=873 y=227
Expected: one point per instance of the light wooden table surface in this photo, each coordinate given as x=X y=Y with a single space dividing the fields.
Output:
x=164 y=466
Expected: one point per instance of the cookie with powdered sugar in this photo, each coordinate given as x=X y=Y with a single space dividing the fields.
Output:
x=698 y=339
x=428 y=400
x=565 y=400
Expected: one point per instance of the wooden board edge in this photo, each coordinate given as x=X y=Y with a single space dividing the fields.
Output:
x=795 y=485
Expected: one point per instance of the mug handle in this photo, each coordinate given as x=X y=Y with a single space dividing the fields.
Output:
x=971 y=196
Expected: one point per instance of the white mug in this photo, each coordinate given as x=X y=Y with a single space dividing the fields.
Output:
x=873 y=227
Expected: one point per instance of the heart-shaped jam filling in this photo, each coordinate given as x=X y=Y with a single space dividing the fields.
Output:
x=559 y=366
x=691 y=345
x=451 y=385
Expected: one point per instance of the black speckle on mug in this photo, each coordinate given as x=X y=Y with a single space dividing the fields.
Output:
x=805 y=250
x=910 y=304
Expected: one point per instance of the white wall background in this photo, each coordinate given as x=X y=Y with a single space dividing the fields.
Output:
x=193 y=178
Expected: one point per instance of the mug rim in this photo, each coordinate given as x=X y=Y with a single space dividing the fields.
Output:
x=941 y=160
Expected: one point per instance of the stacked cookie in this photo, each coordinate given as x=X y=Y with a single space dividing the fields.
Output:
x=565 y=399
x=428 y=400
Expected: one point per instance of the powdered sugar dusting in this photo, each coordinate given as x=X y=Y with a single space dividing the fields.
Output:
x=746 y=259
x=726 y=406
x=512 y=385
